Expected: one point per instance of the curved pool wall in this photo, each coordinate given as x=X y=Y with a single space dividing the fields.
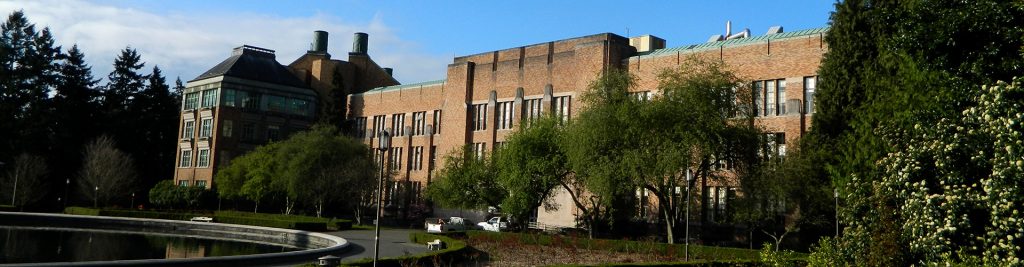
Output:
x=315 y=245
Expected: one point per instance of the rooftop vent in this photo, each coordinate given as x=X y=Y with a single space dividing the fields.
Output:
x=252 y=50
x=319 y=45
x=646 y=43
x=774 y=30
x=728 y=34
x=359 y=43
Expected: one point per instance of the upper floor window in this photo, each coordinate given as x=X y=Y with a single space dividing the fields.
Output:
x=227 y=126
x=479 y=149
x=248 y=131
x=774 y=146
x=250 y=100
x=209 y=98
x=396 y=158
x=480 y=117
x=378 y=124
x=417 y=158
x=188 y=130
x=504 y=113
x=533 y=108
x=419 y=121
x=770 y=97
x=228 y=99
x=204 y=158
x=563 y=106
x=360 y=127
x=398 y=124
x=185 y=160
x=206 y=127
x=191 y=101
x=810 y=84
x=437 y=121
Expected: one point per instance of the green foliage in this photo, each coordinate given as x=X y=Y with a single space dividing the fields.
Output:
x=131 y=213
x=826 y=254
x=81 y=211
x=894 y=87
x=315 y=168
x=625 y=246
x=531 y=165
x=466 y=181
x=696 y=263
x=771 y=256
x=168 y=195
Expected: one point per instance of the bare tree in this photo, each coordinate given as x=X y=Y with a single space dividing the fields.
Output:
x=107 y=173
x=25 y=183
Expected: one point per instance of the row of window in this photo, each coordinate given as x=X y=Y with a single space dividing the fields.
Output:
x=202 y=161
x=205 y=128
x=396 y=158
x=770 y=96
x=419 y=124
x=505 y=112
x=199 y=183
x=248 y=100
x=248 y=130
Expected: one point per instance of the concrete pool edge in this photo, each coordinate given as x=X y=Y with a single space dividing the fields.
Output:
x=314 y=244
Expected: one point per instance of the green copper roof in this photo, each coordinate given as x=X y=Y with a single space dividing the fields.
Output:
x=402 y=87
x=733 y=42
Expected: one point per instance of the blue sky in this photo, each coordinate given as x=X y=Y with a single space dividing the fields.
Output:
x=417 y=38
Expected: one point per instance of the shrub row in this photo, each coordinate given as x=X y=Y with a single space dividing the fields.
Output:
x=676 y=250
x=455 y=253
x=297 y=222
x=8 y=208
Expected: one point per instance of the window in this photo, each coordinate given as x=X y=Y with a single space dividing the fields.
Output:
x=480 y=117
x=479 y=149
x=504 y=114
x=248 y=131
x=719 y=198
x=191 y=101
x=398 y=125
x=228 y=99
x=417 y=158
x=433 y=158
x=186 y=158
x=563 y=104
x=273 y=132
x=643 y=96
x=770 y=100
x=201 y=184
x=498 y=145
x=758 y=92
x=189 y=130
x=299 y=107
x=419 y=121
x=360 y=127
x=277 y=103
x=396 y=158
x=206 y=127
x=203 y=160
x=183 y=183
x=226 y=127
x=209 y=98
x=250 y=100
x=532 y=111
x=437 y=121
x=810 y=83
x=378 y=124
x=775 y=146
x=781 y=96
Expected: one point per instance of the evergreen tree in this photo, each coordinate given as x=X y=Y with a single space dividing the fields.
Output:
x=75 y=110
x=28 y=71
x=161 y=106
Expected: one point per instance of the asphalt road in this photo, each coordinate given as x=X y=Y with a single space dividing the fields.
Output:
x=393 y=243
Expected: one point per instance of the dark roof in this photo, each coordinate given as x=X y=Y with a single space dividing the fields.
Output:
x=253 y=63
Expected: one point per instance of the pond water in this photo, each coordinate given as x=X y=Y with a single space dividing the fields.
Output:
x=25 y=245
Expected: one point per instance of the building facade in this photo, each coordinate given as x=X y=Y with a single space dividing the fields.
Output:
x=250 y=98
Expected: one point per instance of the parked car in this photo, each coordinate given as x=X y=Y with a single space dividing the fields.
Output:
x=495 y=224
x=441 y=225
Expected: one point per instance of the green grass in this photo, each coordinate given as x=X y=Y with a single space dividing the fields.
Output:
x=298 y=222
x=626 y=246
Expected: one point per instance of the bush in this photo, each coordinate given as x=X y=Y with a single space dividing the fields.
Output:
x=81 y=211
x=254 y=221
x=676 y=250
x=8 y=208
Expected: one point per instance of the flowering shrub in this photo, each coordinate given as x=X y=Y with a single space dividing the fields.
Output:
x=957 y=184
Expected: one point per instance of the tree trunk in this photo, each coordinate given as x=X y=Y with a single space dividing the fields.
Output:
x=319 y=208
x=669 y=225
x=257 y=207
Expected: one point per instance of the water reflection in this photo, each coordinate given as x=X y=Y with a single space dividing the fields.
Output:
x=23 y=245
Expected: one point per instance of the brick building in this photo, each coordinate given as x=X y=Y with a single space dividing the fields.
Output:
x=484 y=97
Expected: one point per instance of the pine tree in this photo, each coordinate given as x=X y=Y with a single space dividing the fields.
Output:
x=28 y=72
x=75 y=108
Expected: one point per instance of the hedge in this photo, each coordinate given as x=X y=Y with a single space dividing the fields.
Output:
x=455 y=253
x=8 y=208
x=297 y=222
x=678 y=250
x=695 y=263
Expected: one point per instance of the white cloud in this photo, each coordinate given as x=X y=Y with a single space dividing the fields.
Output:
x=188 y=44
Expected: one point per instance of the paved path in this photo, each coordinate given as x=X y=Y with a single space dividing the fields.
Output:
x=393 y=243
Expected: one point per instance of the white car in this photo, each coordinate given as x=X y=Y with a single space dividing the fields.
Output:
x=495 y=224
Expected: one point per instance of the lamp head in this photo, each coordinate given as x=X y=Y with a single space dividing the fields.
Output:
x=383 y=139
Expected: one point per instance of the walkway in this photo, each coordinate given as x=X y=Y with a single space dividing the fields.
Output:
x=393 y=243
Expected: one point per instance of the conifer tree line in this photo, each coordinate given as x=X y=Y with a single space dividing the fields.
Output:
x=55 y=108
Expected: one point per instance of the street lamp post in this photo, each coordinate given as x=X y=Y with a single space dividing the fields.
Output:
x=67 y=183
x=383 y=143
x=835 y=193
x=133 y=200
x=689 y=182
x=95 y=196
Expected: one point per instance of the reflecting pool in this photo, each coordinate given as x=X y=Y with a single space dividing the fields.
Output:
x=30 y=244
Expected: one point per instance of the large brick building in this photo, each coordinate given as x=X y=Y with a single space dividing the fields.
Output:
x=486 y=96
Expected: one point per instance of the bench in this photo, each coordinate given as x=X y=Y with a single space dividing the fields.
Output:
x=437 y=244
